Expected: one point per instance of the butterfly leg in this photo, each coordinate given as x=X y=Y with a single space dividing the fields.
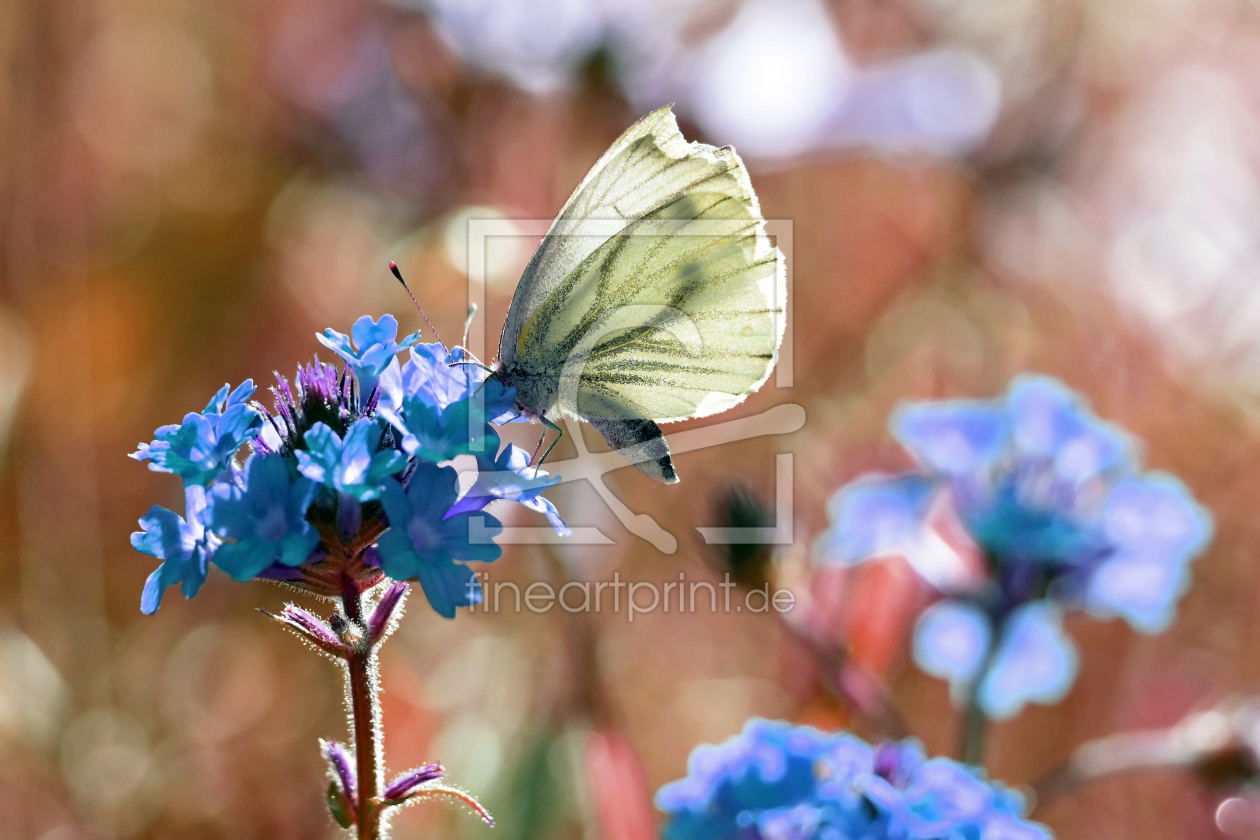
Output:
x=538 y=447
x=559 y=434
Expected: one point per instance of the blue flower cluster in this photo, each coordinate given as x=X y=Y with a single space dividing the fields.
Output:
x=345 y=483
x=776 y=781
x=1056 y=504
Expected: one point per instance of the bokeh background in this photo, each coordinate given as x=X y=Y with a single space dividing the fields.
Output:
x=190 y=190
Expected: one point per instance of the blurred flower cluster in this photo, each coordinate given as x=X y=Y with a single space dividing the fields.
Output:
x=1023 y=507
x=776 y=780
x=346 y=482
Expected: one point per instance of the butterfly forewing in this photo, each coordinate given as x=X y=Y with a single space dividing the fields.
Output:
x=656 y=294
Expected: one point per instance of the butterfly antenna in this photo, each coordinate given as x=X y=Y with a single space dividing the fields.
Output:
x=393 y=267
x=472 y=310
x=472 y=363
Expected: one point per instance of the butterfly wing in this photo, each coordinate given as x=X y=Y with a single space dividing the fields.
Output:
x=656 y=294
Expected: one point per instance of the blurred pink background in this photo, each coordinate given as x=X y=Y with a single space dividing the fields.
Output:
x=189 y=191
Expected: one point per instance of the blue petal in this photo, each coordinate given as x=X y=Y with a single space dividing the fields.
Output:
x=183 y=545
x=188 y=572
x=438 y=435
x=428 y=374
x=372 y=362
x=351 y=466
x=457 y=537
x=267 y=519
x=547 y=509
x=397 y=505
x=1035 y=662
x=244 y=560
x=391 y=386
x=506 y=476
x=1155 y=528
x=1156 y=516
x=165 y=535
x=398 y=556
x=354 y=457
x=267 y=480
x=448 y=586
x=337 y=342
x=215 y=406
x=367 y=332
x=801 y=822
x=154 y=586
x=300 y=495
x=295 y=548
x=202 y=446
x=241 y=394
x=431 y=490
x=432 y=375
x=942 y=795
x=322 y=443
x=1050 y=421
x=323 y=446
x=958 y=438
x=951 y=641
x=236 y=426
x=874 y=516
x=1141 y=590
x=193 y=573
x=500 y=402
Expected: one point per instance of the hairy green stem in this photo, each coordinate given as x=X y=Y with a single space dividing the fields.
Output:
x=365 y=712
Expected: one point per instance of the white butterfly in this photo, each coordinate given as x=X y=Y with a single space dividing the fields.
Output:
x=655 y=296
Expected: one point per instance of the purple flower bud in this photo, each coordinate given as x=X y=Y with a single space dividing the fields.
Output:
x=339 y=763
x=384 y=611
x=310 y=624
x=407 y=783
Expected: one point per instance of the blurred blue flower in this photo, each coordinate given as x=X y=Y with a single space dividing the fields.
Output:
x=509 y=477
x=266 y=521
x=423 y=543
x=1055 y=501
x=1027 y=474
x=883 y=515
x=200 y=449
x=1033 y=662
x=373 y=349
x=355 y=466
x=776 y=780
x=184 y=546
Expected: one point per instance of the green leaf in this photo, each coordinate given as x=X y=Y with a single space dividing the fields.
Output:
x=339 y=806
